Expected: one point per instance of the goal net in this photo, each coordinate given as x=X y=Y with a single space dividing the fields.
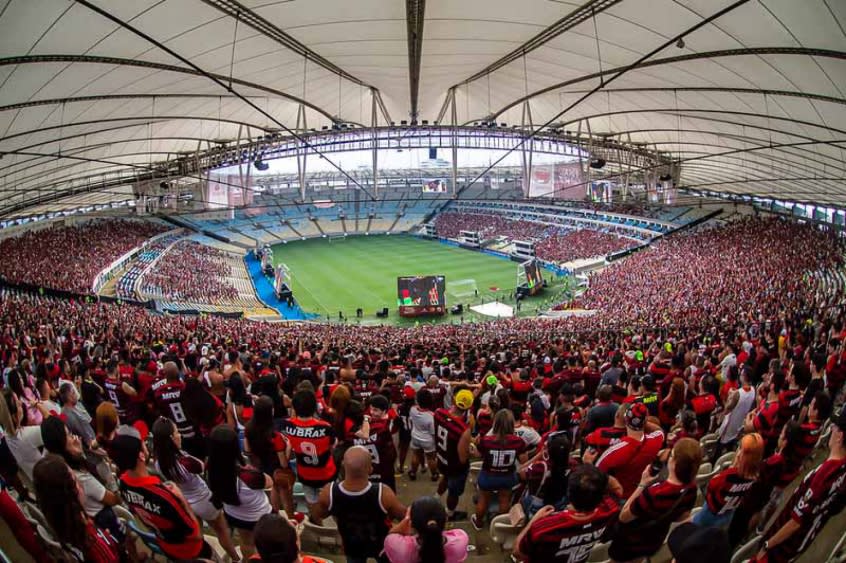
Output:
x=462 y=288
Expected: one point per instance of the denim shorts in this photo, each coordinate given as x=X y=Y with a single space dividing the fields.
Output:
x=496 y=481
x=708 y=519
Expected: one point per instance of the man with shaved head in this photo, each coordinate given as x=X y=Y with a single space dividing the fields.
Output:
x=362 y=508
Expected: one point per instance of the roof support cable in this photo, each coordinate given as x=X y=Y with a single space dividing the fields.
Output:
x=598 y=52
x=618 y=74
x=222 y=84
x=234 y=42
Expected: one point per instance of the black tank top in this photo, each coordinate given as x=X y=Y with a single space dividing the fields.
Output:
x=362 y=522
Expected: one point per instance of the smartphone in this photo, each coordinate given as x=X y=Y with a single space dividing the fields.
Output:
x=656 y=467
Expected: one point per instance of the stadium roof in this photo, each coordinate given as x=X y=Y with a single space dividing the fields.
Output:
x=750 y=100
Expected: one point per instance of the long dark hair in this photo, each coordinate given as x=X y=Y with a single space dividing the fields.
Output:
x=224 y=462
x=59 y=501
x=165 y=450
x=555 y=487
x=259 y=430
x=198 y=403
x=428 y=518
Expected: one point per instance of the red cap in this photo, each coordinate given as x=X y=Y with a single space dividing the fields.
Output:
x=408 y=392
x=152 y=366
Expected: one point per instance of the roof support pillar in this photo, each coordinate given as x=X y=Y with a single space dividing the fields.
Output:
x=302 y=150
x=527 y=149
x=374 y=124
x=453 y=115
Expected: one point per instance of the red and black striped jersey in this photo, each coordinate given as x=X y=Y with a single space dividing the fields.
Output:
x=102 y=546
x=789 y=404
x=809 y=436
x=168 y=400
x=312 y=441
x=821 y=494
x=774 y=474
x=726 y=491
x=438 y=393
x=484 y=421
x=501 y=457
x=766 y=419
x=448 y=432
x=567 y=537
x=127 y=409
x=661 y=502
x=380 y=444
x=162 y=511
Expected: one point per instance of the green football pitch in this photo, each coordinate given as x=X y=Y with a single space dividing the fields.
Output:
x=329 y=276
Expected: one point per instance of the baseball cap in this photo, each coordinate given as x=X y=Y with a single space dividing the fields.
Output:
x=696 y=544
x=492 y=380
x=464 y=399
x=408 y=392
x=636 y=416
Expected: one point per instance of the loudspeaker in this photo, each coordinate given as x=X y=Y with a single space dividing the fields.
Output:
x=433 y=153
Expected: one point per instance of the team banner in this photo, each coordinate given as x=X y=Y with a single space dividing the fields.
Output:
x=228 y=191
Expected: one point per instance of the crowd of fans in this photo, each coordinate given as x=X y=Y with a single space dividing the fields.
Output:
x=190 y=272
x=552 y=243
x=752 y=269
x=450 y=225
x=69 y=258
x=586 y=429
x=579 y=244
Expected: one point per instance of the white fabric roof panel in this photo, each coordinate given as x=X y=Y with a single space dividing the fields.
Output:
x=683 y=107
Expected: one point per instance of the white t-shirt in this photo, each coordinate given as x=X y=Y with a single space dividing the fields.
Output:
x=254 y=503
x=24 y=446
x=193 y=488
x=528 y=435
x=422 y=426
x=94 y=491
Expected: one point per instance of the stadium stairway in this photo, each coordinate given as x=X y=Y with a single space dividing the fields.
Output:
x=267 y=294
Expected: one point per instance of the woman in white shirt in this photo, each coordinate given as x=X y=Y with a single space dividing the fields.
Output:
x=23 y=441
x=423 y=435
x=186 y=472
x=97 y=500
x=241 y=488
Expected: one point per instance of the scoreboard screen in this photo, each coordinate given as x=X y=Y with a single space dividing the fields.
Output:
x=534 y=277
x=421 y=291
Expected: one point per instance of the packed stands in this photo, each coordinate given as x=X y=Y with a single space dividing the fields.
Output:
x=750 y=268
x=450 y=225
x=190 y=273
x=69 y=258
x=666 y=376
x=574 y=245
x=126 y=285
